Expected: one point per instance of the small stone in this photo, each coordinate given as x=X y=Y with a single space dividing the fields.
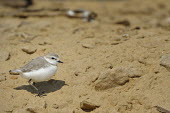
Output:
x=14 y=77
x=31 y=110
x=77 y=73
x=44 y=43
x=162 y=110
x=125 y=35
x=13 y=72
x=4 y=55
x=123 y=22
x=2 y=78
x=86 y=45
x=115 y=43
x=29 y=50
x=137 y=28
x=165 y=61
x=117 y=76
x=111 y=78
x=87 y=106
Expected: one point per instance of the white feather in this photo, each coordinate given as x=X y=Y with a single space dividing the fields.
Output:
x=42 y=74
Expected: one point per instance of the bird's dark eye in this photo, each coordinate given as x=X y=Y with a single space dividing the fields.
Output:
x=52 y=58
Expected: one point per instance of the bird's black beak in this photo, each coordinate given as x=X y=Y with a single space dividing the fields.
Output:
x=60 y=61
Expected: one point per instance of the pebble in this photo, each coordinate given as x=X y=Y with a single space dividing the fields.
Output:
x=117 y=76
x=29 y=50
x=165 y=61
x=44 y=43
x=115 y=43
x=86 y=45
x=125 y=35
x=32 y=110
x=162 y=110
x=123 y=22
x=13 y=73
x=84 y=105
x=77 y=73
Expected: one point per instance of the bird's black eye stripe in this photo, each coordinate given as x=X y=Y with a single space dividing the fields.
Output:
x=52 y=58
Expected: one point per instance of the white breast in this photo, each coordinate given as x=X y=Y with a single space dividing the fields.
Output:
x=42 y=74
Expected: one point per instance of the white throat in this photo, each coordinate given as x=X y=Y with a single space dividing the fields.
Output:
x=53 y=62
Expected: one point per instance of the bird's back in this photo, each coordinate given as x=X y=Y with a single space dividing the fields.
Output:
x=35 y=64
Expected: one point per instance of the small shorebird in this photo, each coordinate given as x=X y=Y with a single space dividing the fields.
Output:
x=39 y=69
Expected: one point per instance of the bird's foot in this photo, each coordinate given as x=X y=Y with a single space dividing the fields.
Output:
x=41 y=94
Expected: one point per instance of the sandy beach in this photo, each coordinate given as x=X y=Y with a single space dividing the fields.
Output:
x=117 y=63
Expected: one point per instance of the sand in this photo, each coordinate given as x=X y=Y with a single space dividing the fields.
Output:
x=127 y=35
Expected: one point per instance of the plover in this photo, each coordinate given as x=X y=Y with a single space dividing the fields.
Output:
x=39 y=69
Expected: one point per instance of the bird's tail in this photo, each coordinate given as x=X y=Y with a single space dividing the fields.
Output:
x=15 y=72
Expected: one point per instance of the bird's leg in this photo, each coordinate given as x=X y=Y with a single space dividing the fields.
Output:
x=32 y=84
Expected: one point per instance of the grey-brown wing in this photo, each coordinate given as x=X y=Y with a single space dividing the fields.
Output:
x=34 y=64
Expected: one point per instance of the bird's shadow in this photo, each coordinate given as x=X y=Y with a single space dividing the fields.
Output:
x=46 y=86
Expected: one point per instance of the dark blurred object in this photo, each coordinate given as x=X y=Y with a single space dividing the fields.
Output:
x=17 y=3
x=80 y=13
x=86 y=15
x=162 y=110
x=137 y=28
x=123 y=22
